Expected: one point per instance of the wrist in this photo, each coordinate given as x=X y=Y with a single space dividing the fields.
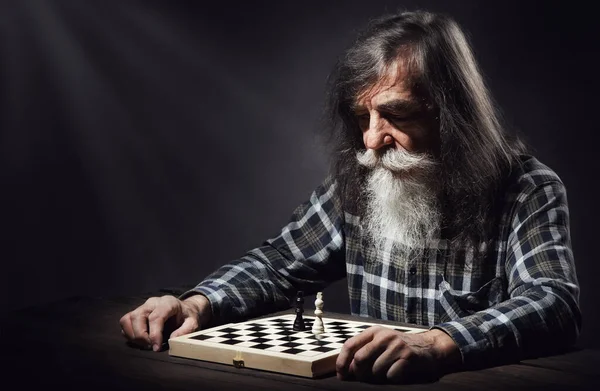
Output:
x=446 y=351
x=201 y=306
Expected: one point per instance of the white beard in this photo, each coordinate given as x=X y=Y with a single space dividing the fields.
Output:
x=402 y=211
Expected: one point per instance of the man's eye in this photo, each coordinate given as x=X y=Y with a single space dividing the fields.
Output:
x=397 y=118
x=363 y=119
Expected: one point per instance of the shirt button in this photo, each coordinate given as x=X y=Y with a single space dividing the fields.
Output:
x=413 y=271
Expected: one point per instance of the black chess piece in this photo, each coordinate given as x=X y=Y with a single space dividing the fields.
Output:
x=299 y=322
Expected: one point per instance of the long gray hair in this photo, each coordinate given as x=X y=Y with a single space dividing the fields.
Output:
x=475 y=153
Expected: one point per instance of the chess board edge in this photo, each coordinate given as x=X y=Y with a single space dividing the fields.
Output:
x=186 y=346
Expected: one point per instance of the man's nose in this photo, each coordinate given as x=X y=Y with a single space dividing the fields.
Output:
x=376 y=136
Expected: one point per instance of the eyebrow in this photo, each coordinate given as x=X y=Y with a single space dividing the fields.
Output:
x=399 y=106
x=396 y=106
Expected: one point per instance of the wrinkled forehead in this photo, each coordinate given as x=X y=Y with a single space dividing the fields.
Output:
x=393 y=83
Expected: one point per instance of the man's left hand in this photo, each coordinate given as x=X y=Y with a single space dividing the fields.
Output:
x=381 y=354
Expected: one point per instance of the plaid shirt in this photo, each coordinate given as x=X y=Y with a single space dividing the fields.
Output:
x=521 y=299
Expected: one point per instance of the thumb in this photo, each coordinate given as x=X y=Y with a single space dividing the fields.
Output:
x=189 y=325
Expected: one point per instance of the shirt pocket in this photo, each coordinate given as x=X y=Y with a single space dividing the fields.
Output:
x=453 y=305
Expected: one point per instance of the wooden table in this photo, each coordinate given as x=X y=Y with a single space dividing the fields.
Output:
x=77 y=344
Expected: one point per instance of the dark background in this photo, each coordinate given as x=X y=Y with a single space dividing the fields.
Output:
x=145 y=143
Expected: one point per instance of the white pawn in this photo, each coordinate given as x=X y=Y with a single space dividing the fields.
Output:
x=318 y=327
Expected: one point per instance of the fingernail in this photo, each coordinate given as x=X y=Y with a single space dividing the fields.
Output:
x=155 y=347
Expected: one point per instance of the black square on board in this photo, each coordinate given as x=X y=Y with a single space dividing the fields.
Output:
x=262 y=346
x=256 y=328
x=292 y=351
x=201 y=337
x=231 y=342
x=260 y=340
x=322 y=349
x=257 y=334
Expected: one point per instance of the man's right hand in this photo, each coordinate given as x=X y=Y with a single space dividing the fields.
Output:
x=144 y=326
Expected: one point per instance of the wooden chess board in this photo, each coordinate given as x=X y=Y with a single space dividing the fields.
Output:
x=271 y=344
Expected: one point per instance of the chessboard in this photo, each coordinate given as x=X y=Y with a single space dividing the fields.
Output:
x=271 y=344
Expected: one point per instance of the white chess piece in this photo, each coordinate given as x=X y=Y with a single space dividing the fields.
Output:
x=318 y=327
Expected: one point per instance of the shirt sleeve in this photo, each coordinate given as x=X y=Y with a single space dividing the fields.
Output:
x=307 y=255
x=542 y=314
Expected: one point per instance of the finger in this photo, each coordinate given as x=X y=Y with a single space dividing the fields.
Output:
x=346 y=355
x=139 y=323
x=364 y=358
x=384 y=362
x=126 y=326
x=399 y=371
x=157 y=319
x=189 y=325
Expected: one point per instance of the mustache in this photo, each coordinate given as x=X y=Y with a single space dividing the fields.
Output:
x=395 y=160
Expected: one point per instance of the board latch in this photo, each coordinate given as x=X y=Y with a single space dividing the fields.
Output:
x=238 y=360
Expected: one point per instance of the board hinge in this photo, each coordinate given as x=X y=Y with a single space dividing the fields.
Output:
x=238 y=360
